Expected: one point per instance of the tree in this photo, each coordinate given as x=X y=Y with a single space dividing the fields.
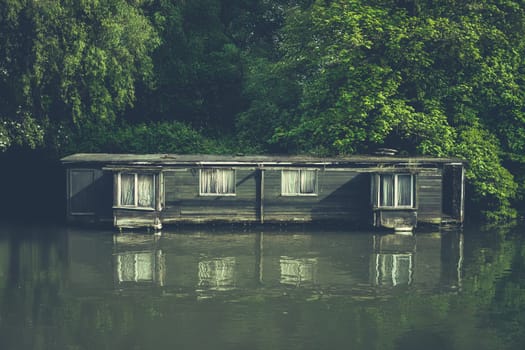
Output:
x=71 y=63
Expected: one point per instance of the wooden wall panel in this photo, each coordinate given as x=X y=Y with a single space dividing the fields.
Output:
x=129 y=218
x=183 y=202
x=342 y=195
x=429 y=196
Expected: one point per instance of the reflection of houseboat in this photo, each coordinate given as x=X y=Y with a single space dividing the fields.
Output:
x=139 y=267
x=424 y=260
x=393 y=269
x=152 y=190
x=138 y=261
x=393 y=260
x=212 y=264
x=217 y=274
x=298 y=272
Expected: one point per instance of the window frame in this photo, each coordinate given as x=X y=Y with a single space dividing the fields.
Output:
x=300 y=194
x=395 y=198
x=217 y=194
x=135 y=190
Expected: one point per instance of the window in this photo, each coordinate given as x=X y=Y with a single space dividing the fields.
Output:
x=136 y=190
x=396 y=190
x=217 y=182
x=298 y=182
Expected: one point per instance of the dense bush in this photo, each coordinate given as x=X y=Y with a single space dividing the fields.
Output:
x=154 y=137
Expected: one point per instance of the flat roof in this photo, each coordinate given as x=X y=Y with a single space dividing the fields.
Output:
x=204 y=159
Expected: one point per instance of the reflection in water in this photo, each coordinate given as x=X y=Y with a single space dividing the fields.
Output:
x=138 y=260
x=298 y=272
x=217 y=274
x=140 y=267
x=135 y=267
x=393 y=260
x=223 y=263
x=77 y=290
x=393 y=269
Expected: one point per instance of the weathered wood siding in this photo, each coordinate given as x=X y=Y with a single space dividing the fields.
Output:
x=183 y=202
x=429 y=196
x=342 y=195
x=135 y=218
x=392 y=218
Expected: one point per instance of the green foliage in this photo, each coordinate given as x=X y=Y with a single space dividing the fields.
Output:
x=198 y=66
x=273 y=94
x=345 y=96
x=160 y=137
x=493 y=186
x=73 y=61
x=5 y=140
x=22 y=132
x=153 y=137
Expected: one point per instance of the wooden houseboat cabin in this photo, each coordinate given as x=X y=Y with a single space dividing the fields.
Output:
x=152 y=190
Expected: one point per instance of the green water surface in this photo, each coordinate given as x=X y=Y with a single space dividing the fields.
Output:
x=261 y=288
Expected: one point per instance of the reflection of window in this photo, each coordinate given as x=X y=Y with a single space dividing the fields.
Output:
x=298 y=182
x=136 y=190
x=217 y=182
x=393 y=269
x=298 y=272
x=217 y=274
x=135 y=267
x=395 y=190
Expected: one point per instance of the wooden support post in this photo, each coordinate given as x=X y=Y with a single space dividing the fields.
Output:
x=462 y=196
x=261 y=196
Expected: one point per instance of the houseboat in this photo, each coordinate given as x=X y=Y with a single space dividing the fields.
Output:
x=151 y=190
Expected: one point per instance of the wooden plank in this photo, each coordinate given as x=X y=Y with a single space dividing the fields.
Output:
x=429 y=196
x=341 y=196
x=209 y=159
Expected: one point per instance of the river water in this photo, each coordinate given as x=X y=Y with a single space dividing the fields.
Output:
x=261 y=288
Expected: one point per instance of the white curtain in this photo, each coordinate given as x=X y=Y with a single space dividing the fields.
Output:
x=225 y=181
x=290 y=182
x=298 y=181
x=127 y=189
x=217 y=181
x=146 y=192
x=404 y=190
x=308 y=181
x=207 y=183
x=387 y=190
